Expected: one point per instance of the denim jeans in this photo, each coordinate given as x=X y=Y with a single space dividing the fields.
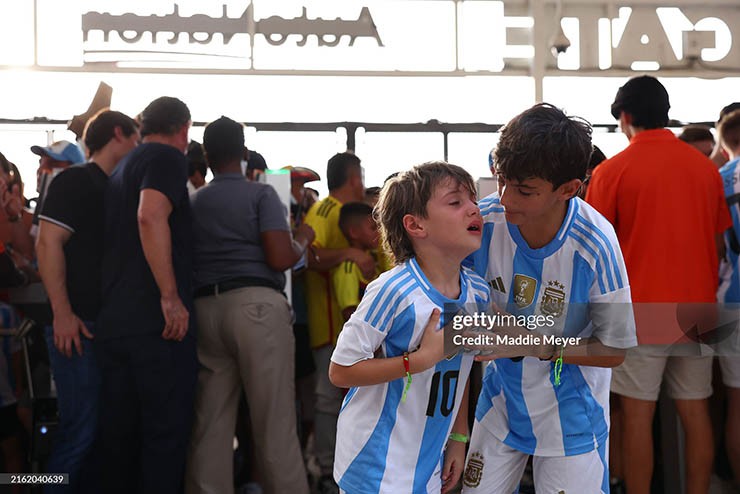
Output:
x=78 y=388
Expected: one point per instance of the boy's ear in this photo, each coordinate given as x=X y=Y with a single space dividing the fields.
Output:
x=351 y=232
x=413 y=227
x=570 y=189
x=355 y=180
x=625 y=121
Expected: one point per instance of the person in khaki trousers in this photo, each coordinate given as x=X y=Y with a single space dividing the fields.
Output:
x=242 y=245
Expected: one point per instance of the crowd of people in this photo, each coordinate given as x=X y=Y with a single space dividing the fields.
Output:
x=181 y=365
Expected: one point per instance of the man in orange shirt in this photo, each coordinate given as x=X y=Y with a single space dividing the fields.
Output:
x=665 y=200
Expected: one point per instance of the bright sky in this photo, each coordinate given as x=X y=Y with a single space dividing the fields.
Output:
x=489 y=99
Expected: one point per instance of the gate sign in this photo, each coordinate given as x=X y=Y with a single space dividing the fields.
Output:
x=384 y=36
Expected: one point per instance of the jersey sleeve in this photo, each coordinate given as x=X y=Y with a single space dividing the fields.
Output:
x=610 y=303
x=613 y=319
x=345 y=278
x=359 y=339
x=272 y=215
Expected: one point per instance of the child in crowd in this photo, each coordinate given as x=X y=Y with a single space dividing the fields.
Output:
x=546 y=252
x=407 y=403
x=357 y=224
x=729 y=288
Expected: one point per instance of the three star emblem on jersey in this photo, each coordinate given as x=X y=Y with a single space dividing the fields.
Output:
x=524 y=290
x=553 y=300
x=474 y=470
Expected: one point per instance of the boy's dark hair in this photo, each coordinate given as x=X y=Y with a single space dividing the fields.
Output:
x=196 y=159
x=597 y=156
x=100 y=129
x=392 y=175
x=352 y=213
x=542 y=142
x=696 y=133
x=728 y=109
x=165 y=115
x=338 y=167
x=729 y=130
x=646 y=99
x=372 y=191
x=372 y=194
x=408 y=193
x=255 y=161
x=223 y=142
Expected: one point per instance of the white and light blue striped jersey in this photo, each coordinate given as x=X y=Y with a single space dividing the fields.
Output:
x=383 y=444
x=729 y=277
x=519 y=403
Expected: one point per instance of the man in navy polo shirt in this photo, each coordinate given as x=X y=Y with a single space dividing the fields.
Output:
x=145 y=341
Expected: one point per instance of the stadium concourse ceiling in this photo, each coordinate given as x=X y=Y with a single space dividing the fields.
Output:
x=376 y=37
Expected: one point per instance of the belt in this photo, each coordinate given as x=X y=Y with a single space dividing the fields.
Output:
x=233 y=284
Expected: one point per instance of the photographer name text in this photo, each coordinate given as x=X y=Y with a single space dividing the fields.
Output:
x=483 y=339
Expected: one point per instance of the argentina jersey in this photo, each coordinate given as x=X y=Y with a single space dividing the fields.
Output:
x=385 y=445
x=583 y=265
x=729 y=278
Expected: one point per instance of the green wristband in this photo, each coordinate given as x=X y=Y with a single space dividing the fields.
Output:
x=461 y=438
x=558 y=368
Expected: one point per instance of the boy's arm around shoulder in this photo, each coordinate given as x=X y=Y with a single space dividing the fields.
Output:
x=613 y=323
x=324 y=258
x=611 y=315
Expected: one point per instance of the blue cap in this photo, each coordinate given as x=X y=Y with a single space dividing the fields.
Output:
x=61 y=151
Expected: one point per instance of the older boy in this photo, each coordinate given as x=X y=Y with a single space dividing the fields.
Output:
x=545 y=252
